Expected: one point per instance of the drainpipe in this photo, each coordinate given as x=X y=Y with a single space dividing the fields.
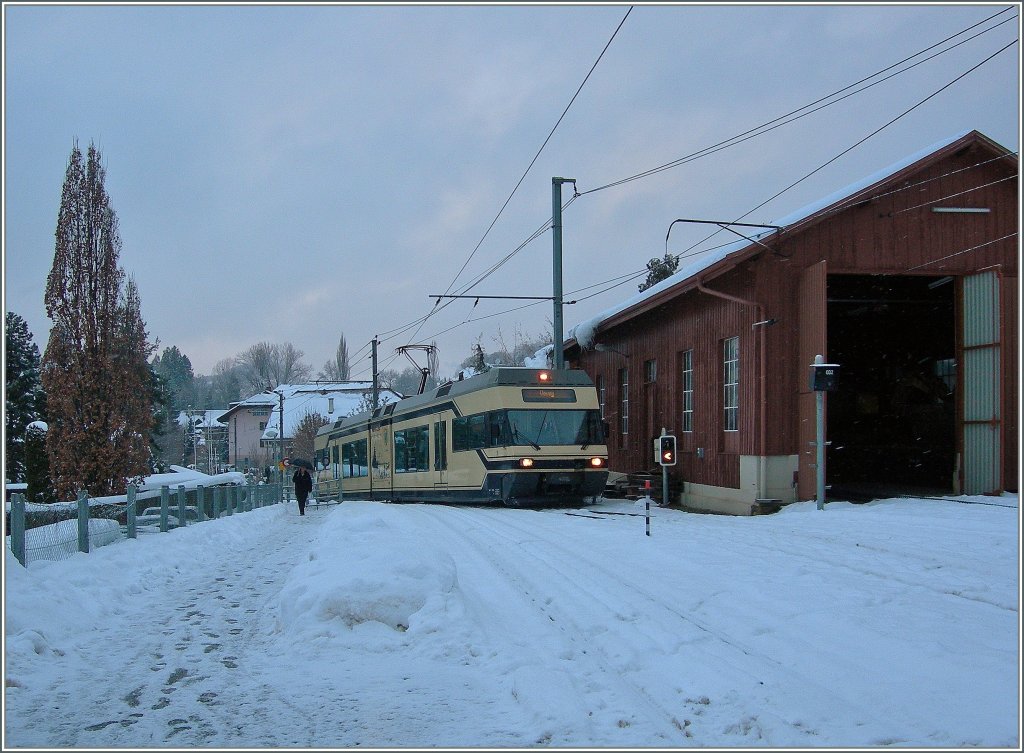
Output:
x=762 y=481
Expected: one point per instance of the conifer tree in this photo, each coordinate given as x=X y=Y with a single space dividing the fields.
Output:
x=95 y=368
x=37 y=465
x=659 y=269
x=24 y=401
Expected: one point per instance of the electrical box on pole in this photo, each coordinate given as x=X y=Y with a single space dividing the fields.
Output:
x=824 y=378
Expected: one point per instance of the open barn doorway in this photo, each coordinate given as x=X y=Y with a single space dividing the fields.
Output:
x=892 y=422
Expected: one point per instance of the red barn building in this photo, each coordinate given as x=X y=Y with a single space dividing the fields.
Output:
x=907 y=280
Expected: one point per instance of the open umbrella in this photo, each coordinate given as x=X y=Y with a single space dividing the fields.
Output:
x=301 y=462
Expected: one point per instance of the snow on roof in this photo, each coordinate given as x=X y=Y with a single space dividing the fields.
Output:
x=585 y=332
x=330 y=399
x=201 y=418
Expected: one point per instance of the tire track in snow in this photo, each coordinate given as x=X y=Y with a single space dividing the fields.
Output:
x=613 y=711
x=576 y=596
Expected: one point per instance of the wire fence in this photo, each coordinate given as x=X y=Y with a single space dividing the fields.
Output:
x=58 y=531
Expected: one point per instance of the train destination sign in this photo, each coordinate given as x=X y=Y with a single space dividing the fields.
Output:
x=548 y=395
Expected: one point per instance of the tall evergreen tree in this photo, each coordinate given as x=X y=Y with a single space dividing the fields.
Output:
x=175 y=369
x=37 y=465
x=95 y=368
x=24 y=399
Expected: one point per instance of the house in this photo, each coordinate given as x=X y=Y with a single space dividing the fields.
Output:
x=205 y=442
x=907 y=280
x=253 y=424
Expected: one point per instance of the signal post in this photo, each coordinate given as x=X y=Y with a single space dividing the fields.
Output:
x=665 y=452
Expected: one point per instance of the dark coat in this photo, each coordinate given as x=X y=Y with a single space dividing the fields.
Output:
x=303 y=484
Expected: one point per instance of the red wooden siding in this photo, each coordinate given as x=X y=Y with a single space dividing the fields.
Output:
x=890 y=229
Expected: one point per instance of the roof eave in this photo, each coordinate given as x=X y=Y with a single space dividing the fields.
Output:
x=737 y=257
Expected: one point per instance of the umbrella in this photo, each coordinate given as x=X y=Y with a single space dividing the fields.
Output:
x=301 y=462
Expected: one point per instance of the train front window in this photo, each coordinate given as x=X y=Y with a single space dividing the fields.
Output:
x=536 y=427
x=555 y=427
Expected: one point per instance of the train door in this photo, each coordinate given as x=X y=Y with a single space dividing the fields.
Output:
x=441 y=455
x=381 y=478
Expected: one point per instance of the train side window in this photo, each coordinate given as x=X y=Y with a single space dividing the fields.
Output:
x=460 y=434
x=412 y=447
x=471 y=432
x=353 y=459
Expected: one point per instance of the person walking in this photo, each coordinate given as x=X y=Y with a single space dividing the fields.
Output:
x=303 y=486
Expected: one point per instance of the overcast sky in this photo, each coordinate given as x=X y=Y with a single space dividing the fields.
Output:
x=292 y=173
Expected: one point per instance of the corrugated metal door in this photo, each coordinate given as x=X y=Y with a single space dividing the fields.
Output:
x=813 y=340
x=980 y=396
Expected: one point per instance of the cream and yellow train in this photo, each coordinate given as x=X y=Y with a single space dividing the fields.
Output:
x=512 y=435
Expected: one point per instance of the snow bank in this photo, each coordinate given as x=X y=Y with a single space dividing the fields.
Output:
x=353 y=591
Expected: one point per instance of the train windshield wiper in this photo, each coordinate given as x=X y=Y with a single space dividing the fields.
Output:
x=519 y=434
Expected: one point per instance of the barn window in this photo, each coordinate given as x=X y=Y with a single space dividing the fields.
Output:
x=601 y=394
x=650 y=371
x=731 y=383
x=624 y=401
x=686 y=369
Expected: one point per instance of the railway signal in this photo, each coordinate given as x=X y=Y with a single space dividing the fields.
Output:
x=666 y=445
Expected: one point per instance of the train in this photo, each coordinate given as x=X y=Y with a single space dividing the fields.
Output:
x=512 y=436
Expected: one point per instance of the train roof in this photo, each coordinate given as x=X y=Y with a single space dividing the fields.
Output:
x=497 y=376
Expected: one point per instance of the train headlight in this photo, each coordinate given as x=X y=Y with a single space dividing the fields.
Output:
x=544 y=376
x=598 y=462
x=526 y=462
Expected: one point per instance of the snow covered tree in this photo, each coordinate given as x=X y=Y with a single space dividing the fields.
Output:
x=25 y=401
x=366 y=403
x=95 y=369
x=659 y=269
x=337 y=369
x=477 y=361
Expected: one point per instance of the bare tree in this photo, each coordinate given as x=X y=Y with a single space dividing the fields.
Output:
x=292 y=369
x=305 y=434
x=266 y=365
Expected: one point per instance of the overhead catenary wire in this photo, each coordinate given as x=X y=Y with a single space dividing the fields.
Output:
x=751 y=133
x=541 y=149
x=792 y=116
x=763 y=128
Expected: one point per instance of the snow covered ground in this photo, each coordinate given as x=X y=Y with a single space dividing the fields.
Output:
x=894 y=623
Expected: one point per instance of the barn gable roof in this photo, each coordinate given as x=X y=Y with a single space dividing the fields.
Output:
x=726 y=257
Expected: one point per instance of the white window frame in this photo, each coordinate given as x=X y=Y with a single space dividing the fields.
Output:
x=731 y=384
x=686 y=380
x=624 y=401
